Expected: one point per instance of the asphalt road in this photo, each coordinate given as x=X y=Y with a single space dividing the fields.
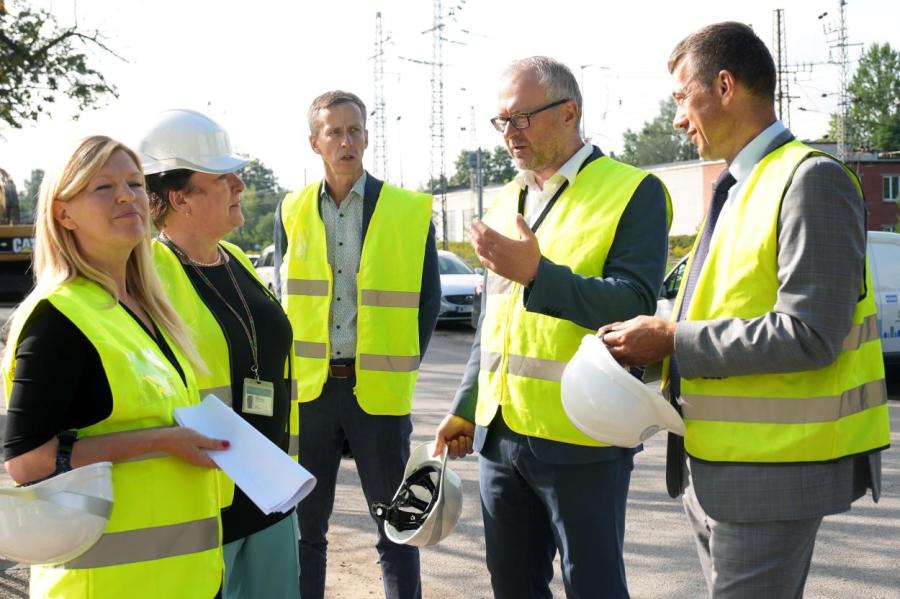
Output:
x=856 y=554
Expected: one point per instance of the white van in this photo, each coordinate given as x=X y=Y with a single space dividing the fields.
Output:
x=883 y=250
x=884 y=259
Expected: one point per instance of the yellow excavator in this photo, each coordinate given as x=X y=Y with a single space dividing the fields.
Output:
x=16 y=243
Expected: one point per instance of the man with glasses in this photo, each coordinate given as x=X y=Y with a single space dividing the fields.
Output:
x=575 y=241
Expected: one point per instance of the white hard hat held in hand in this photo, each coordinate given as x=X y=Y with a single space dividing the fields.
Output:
x=605 y=402
x=58 y=519
x=184 y=139
x=428 y=503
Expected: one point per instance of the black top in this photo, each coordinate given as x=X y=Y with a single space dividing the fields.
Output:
x=274 y=338
x=60 y=383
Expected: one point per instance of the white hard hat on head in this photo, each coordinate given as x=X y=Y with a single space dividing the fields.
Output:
x=185 y=139
x=58 y=519
x=607 y=403
x=428 y=503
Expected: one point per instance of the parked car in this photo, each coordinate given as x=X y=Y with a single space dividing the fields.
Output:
x=265 y=267
x=883 y=250
x=458 y=282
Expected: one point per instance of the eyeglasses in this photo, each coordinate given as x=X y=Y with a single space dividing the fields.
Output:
x=522 y=120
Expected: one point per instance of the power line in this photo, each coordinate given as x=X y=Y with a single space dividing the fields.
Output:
x=782 y=90
x=438 y=174
x=839 y=54
x=381 y=160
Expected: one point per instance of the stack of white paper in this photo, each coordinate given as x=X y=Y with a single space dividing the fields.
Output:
x=267 y=475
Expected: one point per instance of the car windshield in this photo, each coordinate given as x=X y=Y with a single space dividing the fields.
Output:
x=451 y=265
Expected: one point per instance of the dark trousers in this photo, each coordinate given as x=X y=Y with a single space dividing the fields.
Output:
x=531 y=509
x=380 y=446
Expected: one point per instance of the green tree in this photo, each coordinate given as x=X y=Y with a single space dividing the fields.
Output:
x=258 y=203
x=873 y=115
x=42 y=62
x=497 y=167
x=657 y=142
x=29 y=195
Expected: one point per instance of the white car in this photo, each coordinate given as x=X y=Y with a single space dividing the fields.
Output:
x=883 y=251
x=265 y=267
x=458 y=282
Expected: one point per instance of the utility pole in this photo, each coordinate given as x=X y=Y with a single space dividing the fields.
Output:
x=476 y=177
x=782 y=89
x=438 y=176
x=840 y=55
x=380 y=154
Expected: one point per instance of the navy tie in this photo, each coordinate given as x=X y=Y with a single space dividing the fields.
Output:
x=675 y=448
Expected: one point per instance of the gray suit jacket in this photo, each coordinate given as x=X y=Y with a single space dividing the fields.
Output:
x=821 y=258
x=628 y=287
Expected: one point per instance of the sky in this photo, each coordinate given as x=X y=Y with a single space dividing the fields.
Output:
x=256 y=66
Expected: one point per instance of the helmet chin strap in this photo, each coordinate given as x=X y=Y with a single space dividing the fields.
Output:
x=407 y=511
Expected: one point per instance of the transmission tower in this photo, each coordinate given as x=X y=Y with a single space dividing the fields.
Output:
x=381 y=160
x=782 y=88
x=438 y=176
x=841 y=56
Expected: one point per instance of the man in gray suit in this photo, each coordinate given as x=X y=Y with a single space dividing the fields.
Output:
x=575 y=241
x=774 y=354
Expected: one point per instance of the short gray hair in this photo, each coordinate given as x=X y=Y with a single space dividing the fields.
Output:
x=556 y=77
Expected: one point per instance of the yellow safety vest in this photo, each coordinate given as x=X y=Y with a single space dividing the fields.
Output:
x=163 y=538
x=523 y=354
x=207 y=335
x=388 y=286
x=806 y=416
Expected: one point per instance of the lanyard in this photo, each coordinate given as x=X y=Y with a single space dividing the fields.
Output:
x=250 y=331
x=595 y=154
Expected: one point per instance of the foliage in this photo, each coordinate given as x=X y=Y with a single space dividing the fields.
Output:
x=465 y=251
x=497 y=167
x=41 y=62
x=657 y=142
x=873 y=115
x=679 y=245
x=29 y=195
x=258 y=203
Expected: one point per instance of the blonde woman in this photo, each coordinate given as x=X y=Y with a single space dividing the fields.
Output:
x=96 y=362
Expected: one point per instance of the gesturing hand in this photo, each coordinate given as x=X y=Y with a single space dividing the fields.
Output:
x=513 y=259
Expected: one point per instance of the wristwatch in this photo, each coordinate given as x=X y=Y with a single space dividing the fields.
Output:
x=64 y=451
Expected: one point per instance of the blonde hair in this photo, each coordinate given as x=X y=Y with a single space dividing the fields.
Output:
x=57 y=258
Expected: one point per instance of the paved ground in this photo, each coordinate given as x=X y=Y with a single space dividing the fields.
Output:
x=856 y=554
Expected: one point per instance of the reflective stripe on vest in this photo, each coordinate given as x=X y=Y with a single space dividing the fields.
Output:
x=807 y=416
x=524 y=353
x=389 y=283
x=149 y=495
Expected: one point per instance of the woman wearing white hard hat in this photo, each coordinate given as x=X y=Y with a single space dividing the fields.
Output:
x=239 y=327
x=97 y=360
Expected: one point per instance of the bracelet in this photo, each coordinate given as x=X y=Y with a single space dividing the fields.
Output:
x=64 y=451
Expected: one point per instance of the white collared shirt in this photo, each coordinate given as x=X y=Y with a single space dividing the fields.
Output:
x=747 y=159
x=537 y=198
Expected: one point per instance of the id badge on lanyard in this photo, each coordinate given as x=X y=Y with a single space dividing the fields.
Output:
x=259 y=397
